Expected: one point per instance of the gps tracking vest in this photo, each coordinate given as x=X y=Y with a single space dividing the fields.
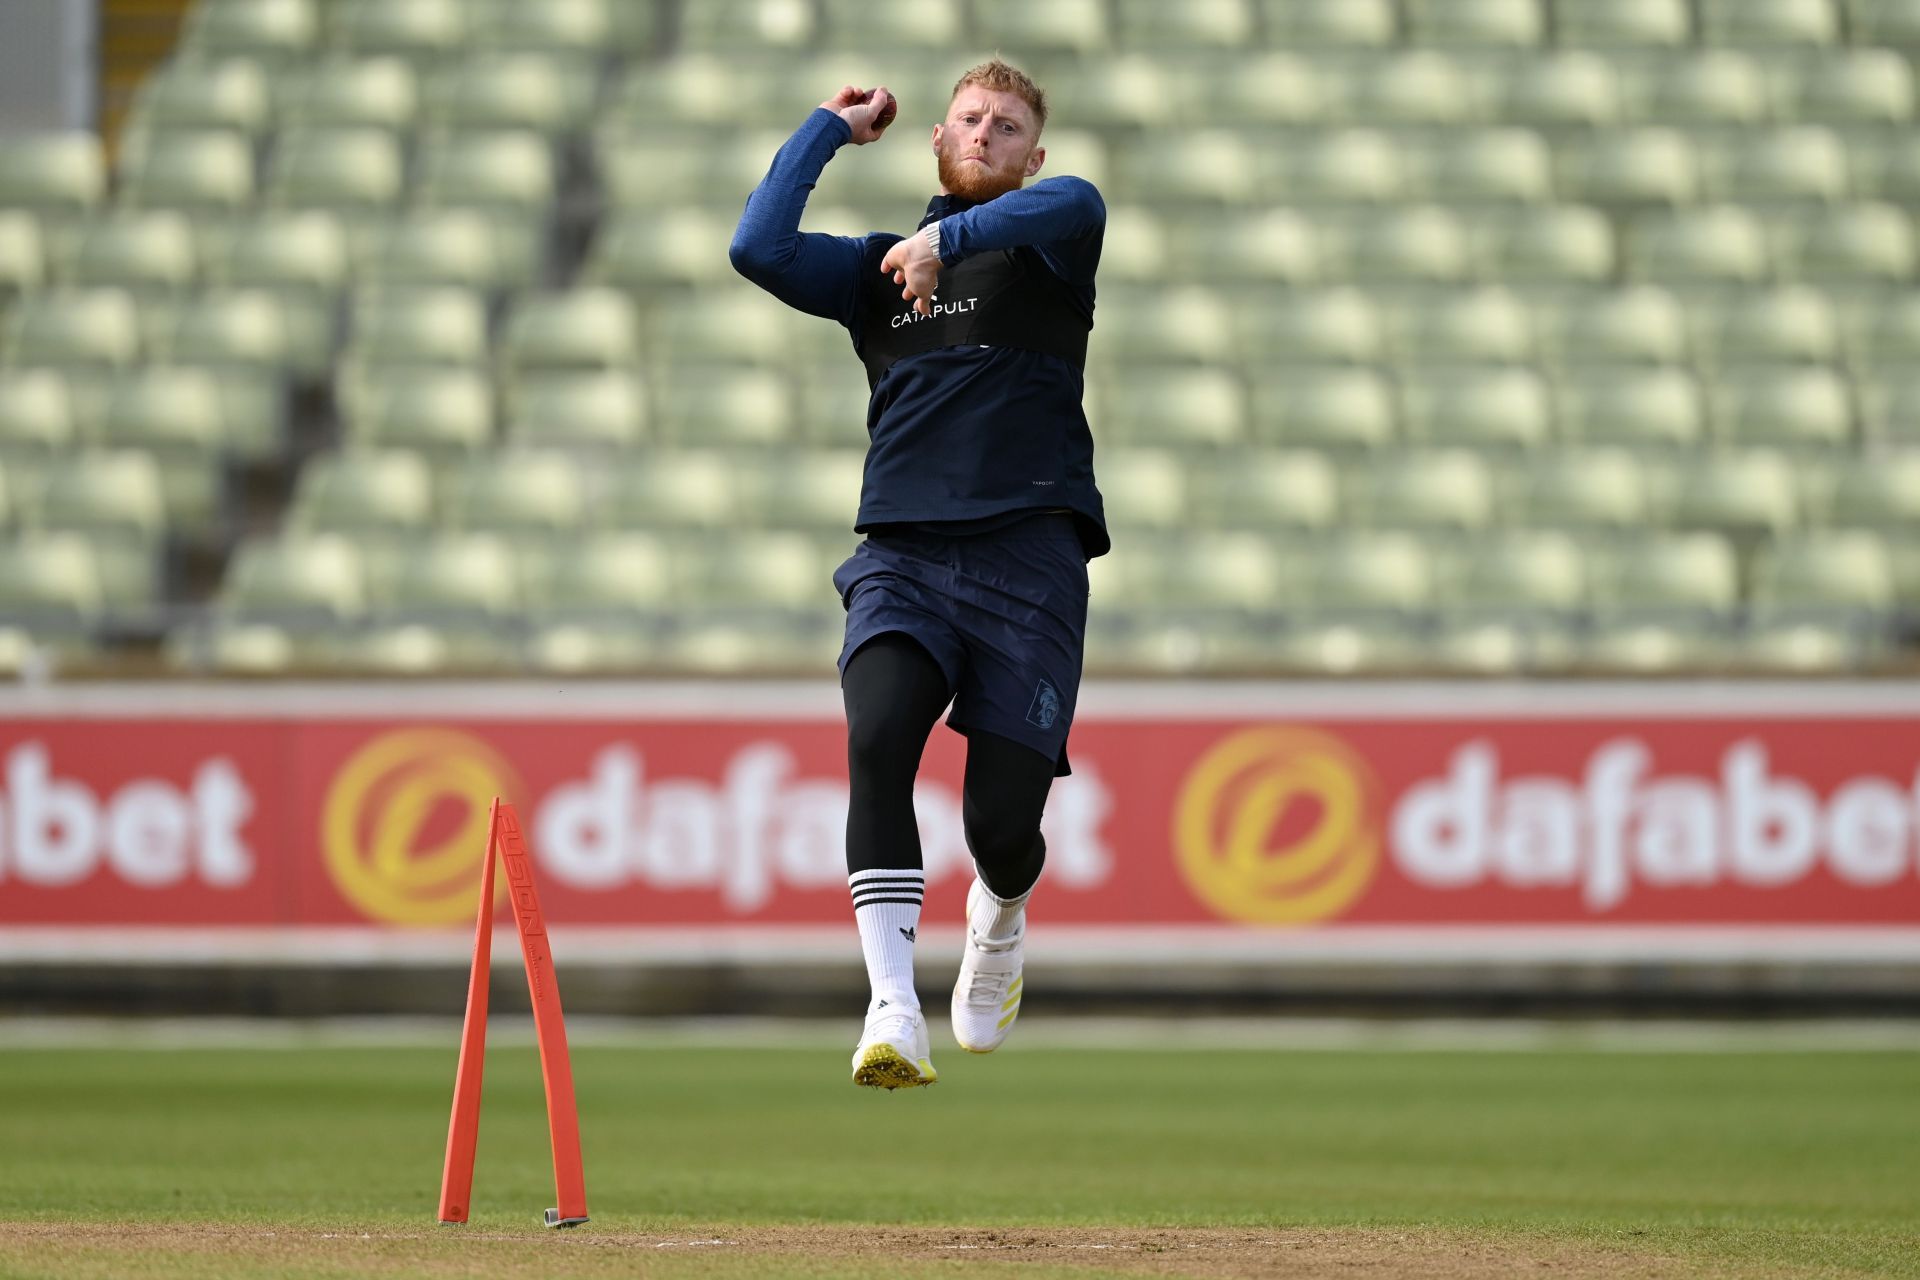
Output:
x=1007 y=298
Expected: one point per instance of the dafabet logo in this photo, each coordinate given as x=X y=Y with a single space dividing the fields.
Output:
x=1278 y=826
x=404 y=825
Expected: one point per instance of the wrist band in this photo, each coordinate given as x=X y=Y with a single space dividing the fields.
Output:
x=931 y=234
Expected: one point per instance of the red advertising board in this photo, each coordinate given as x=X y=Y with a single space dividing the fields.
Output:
x=1226 y=817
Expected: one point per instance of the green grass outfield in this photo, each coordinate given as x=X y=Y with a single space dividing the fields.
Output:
x=1039 y=1161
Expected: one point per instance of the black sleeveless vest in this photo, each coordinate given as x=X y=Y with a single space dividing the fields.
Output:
x=1007 y=298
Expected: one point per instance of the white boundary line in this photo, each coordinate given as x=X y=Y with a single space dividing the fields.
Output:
x=807 y=700
x=1068 y=946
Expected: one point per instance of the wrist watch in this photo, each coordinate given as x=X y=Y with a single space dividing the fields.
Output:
x=931 y=234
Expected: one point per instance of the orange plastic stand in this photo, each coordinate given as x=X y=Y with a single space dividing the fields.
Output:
x=550 y=1029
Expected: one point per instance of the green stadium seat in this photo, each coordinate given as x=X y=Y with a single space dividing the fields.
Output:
x=1340 y=166
x=36 y=413
x=1038 y=27
x=425 y=32
x=165 y=408
x=706 y=90
x=1129 y=90
x=444 y=247
x=1878 y=490
x=748 y=24
x=600 y=574
x=1788 y=325
x=1477 y=409
x=816 y=489
x=725 y=405
x=1665 y=573
x=1552 y=245
x=23 y=256
x=675 y=488
x=363 y=491
x=1641 y=324
x=232 y=648
x=1359 y=647
x=731 y=323
x=198 y=171
x=416 y=647
x=1647 y=166
x=52 y=173
x=1531 y=573
x=116 y=491
x=1484 y=166
x=1418 y=87
x=1653 y=648
x=570 y=409
x=93 y=327
x=1227 y=569
x=1582 y=488
x=754 y=568
x=1172 y=406
x=1884 y=22
x=1695 y=90
x=1195 y=24
x=505 y=172
x=1478 y=326
x=1276 y=88
x=1717 y=245
x=1770 y=22
x=1419 y=244
x=1802 y=647
x=349 y=93
x=1790 y=407
x=1164 y=324
x=1292 y=489
x=1330 y=23
x=418 y=326
x=233 y=97
x=1216 y=167
x=1493 y=646
x=834 y=401
x=271 y=31
x=1145 y=488
x=717 y=643
x=1630 y=407
x=1886 y=165
x=147 y=252
x=1805 y=164
x=542 y=94
x=249 y=329
x=441 y=410
x=577 y=329
x=517 y=491
x=1852 y=245
x=1562 y=89
x=1135 y=249
x=1890 y=409
x=1311 y=326
x=653 y=249
x=345 y=169
x=1511 y=24
x=1427 y=489
x=574 y=648
x=588 y=28
x=307 y=576
x=1330 y=408
x=1579 y=23
x=301 y=251
x=1882 y=333
x=1826 y=571
x=1372 y=571
x=50 y=580
x=1744 y=494
x=1276 y=245
x=1867 y=87
x=856 y=25
x=452 y=577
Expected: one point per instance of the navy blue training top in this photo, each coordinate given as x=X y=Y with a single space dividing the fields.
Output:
x=953 y=431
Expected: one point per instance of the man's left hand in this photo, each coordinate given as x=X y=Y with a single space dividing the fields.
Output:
x=913 y=266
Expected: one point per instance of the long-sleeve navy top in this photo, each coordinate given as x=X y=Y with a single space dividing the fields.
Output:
x=932 y=415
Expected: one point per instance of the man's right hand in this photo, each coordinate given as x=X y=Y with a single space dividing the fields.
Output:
x=867 y=111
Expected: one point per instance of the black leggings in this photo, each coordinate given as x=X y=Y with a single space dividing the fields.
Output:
x=895 y=693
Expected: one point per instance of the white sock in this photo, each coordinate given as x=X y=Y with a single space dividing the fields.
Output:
x=886 y=906
x=998 y=919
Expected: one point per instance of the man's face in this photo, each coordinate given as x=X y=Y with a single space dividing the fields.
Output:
x=988 y=145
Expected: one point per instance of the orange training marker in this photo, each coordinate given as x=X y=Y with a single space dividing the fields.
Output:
x=556 y=1070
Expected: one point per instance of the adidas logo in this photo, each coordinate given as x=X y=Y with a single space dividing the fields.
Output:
x=911 y=934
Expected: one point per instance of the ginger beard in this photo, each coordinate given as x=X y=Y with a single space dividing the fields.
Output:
x=976 y=182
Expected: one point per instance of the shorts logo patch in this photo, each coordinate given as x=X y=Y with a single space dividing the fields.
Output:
x=1046 y=706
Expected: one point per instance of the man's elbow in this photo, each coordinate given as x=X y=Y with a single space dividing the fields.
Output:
x=748 y=257
x=1085 y=198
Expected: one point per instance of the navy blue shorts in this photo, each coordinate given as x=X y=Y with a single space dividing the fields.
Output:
x=1004 y=613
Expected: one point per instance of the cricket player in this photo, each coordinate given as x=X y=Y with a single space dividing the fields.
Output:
x=980 y=514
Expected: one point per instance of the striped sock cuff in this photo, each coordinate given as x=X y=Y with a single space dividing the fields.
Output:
x=908 y=886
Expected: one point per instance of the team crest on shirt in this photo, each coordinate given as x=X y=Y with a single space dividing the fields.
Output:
x=1046 y=706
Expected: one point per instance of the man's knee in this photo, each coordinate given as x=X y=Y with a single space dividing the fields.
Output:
x=1000 y=834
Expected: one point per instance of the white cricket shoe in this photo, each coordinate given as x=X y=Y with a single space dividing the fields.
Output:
x=893 y=1052
x=986 y=999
